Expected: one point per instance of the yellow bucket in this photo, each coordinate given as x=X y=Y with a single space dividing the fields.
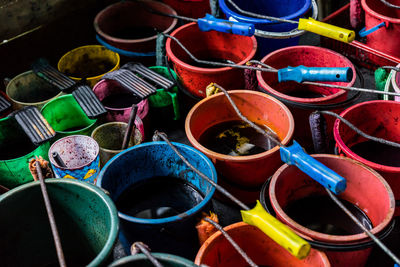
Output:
x=90 y=62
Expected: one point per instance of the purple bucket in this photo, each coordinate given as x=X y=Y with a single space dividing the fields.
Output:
x=106 y=88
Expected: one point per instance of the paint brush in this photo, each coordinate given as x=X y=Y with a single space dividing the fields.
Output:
x=130 y=128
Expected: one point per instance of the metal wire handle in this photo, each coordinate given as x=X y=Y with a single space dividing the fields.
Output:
x=140 y=246
x=389 y=4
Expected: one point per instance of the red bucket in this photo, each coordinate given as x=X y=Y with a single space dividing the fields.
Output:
x=377 y=118
x=309 y=56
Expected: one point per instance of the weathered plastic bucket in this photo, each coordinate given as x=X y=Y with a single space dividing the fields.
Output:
x=140 y=260
x=80 y=153
x=66 y=117
x=86 y=219
x=218 y=252
x=27 y=89
x=365 y=189
x=245 y=171
x=90 y=62
x=16 y=150
x=380 y=119
x=190 y=8
x=286 y=9
x=177 y=234
x=395 y=81
x=105 y=88
x=8 y=111
x=116 y=23
x=309 y=56
x=110 y=136
x=386 y=37
x=209 y=45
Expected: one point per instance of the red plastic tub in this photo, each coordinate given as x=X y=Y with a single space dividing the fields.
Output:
x=211 y=46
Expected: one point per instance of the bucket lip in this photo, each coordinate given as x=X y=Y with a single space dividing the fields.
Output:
x=160 y=256
x=224 y=157
x=131 y=41
x=265 y=86
x=28 y=103
x=181 y=216
x=340 y=142
x=137 y=131
x=112 y=211
x=347 y=239
x=69 y=137
x=192 y=68
x=69 y=132
x=242 y=18
x=116 y=65
x=375 y=14
x=204 y=247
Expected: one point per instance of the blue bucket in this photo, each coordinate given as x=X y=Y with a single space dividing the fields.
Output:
x=176 y=234
x=285 y=9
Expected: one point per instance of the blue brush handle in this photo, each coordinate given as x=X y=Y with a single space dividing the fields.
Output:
x=295 y=155
x=209 y=23
x=314 y=74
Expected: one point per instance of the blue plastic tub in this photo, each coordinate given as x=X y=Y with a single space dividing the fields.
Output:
x=285 y=9
x=176 y=234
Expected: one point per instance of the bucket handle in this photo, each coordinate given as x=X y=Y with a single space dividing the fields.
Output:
x=123 y=52
x=365 y=32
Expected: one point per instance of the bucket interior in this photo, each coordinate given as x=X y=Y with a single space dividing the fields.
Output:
x=384 y=10
x=131 y=21
x=29 y=88
x=65 y=115
x=309 y=57
x=211 y=46
x=84 y=221
x=365 y=189
x=88 y=61
x=275 y=8
x=378 y=119
x=111 y=135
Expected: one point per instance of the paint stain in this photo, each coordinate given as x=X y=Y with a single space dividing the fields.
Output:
x=378 y=153
x=16 y=148
x=321 y=214
x=158 y=197
x=120 y=100
x=235 y=138
x=135 y=32
x=208 y=66
x=304 y=94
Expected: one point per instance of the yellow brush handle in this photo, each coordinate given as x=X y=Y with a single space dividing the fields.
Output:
x=327 y=30
x=276 y=230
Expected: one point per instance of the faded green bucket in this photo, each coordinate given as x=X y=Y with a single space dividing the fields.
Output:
x=86 y=219
x=67 y=118
x=16 y=150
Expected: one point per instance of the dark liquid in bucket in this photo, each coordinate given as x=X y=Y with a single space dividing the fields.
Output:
x=158 y=197
x=134 y=32
x=321 y=214
x=16 y=148
x=123 y=100
x=235 y=138
x=378 y=153
x=304 y=94
x=89 y=67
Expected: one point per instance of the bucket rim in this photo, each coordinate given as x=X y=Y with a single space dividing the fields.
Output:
x=377 y=15
x=112 y=211
x=243 y=18
x=93 y=122
x=220 y=156
x=131 y=41
x=175 y=218
x=28 y=103
x=91 y=78
x=195 y=69
x=158 y=255
x=338 y=239
x=347 y=150
x=266 y=87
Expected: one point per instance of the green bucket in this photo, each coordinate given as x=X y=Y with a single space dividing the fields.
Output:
x=165 y=100
x=16 y=150
x=86 y=218
x=67 y=118
x=140 y=260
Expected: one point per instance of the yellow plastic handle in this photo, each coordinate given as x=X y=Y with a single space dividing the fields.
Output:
x=327 y=30
x=276 y=230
